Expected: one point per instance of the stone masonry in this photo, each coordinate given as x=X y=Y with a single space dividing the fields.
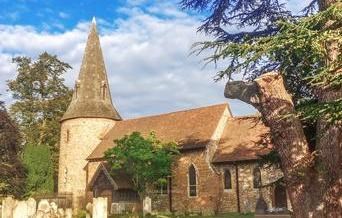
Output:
x=79 y=138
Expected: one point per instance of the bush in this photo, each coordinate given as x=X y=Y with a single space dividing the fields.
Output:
x=39 y=164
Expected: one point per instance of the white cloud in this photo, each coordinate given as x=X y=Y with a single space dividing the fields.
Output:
x=63 y=15
x=147 y=59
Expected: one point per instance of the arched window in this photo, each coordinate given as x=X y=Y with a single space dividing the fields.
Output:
x=227 y=180
x=256 y=177
x=192 y=181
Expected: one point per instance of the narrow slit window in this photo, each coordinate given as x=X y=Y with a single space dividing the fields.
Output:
x=227 y=180
x=104 y=90
x=192 y=181
x=256 y=177
x=67 y=135
x=77 y=87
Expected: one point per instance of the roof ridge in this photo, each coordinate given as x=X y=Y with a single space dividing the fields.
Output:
x=174 y=112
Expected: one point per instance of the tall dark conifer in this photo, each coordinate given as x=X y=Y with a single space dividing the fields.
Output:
x=12 y=176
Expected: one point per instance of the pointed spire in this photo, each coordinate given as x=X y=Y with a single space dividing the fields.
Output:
x=91 y=97
x=94 y=20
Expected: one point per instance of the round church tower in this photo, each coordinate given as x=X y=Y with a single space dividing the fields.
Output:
x=89 y=116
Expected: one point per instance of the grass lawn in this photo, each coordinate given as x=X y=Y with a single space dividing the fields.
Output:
x=225 y=215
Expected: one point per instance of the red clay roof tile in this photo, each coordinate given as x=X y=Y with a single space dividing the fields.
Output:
x=190 y=129
x=244 y=138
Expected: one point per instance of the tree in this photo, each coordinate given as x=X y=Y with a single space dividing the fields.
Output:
x=41 y=100
x=38 y=162
x=12 y=176
x=293 y=69
x=146 y=160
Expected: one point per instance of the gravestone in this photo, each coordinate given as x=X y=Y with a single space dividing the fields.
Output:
x=53 y=208
x=68 y=213
x=100 y=207
x=89 y=207
x=147 y=205
x=20 y=210
x=31 y=207
x=8 y=205
x=44 y=206
x=60 y=212
x=40 y=214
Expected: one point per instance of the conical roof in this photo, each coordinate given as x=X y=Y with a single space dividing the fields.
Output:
x=91 y=97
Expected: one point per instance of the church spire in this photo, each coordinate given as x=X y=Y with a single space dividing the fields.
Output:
x=91 y=97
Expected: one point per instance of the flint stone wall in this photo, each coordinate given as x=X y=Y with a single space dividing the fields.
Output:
x=79 y=137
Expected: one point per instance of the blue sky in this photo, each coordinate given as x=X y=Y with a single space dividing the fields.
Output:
x=60 y=15
x=146 y=45
x=66 y=13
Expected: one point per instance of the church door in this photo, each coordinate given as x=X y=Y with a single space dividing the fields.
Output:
x=280 y=196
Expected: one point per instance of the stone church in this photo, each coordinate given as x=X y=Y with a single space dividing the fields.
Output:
x=217 y=170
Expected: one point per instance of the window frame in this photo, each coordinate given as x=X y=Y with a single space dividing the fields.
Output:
x=224 y=180
x=196 y=182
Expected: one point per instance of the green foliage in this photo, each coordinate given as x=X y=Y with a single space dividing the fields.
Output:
x=299 y=50
x=81 y=214
x=146 y=160
x=311 y=111
x=39 y=164
x=41 y=100
x=12 y=176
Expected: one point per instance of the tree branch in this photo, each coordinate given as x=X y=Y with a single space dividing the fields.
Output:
x=244 y=91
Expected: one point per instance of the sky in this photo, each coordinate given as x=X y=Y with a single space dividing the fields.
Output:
x=146 y=46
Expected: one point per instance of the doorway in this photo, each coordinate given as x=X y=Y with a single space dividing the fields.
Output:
x=280 y=198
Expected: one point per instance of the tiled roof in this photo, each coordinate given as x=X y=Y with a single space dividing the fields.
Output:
x=190 y=129
x=244 y=138
x=117 y=178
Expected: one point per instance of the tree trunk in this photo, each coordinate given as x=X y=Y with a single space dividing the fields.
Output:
x=268 y=94
x=329 y=139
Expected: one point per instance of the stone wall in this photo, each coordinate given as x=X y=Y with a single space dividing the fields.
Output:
x=160 y=202
x=206 y=201
x=212 y=197
x=79 y=137
x=248 y=194
x=228 y=196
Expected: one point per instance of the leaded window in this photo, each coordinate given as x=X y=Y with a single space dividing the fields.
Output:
x=227 y=180
x=192 y=181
